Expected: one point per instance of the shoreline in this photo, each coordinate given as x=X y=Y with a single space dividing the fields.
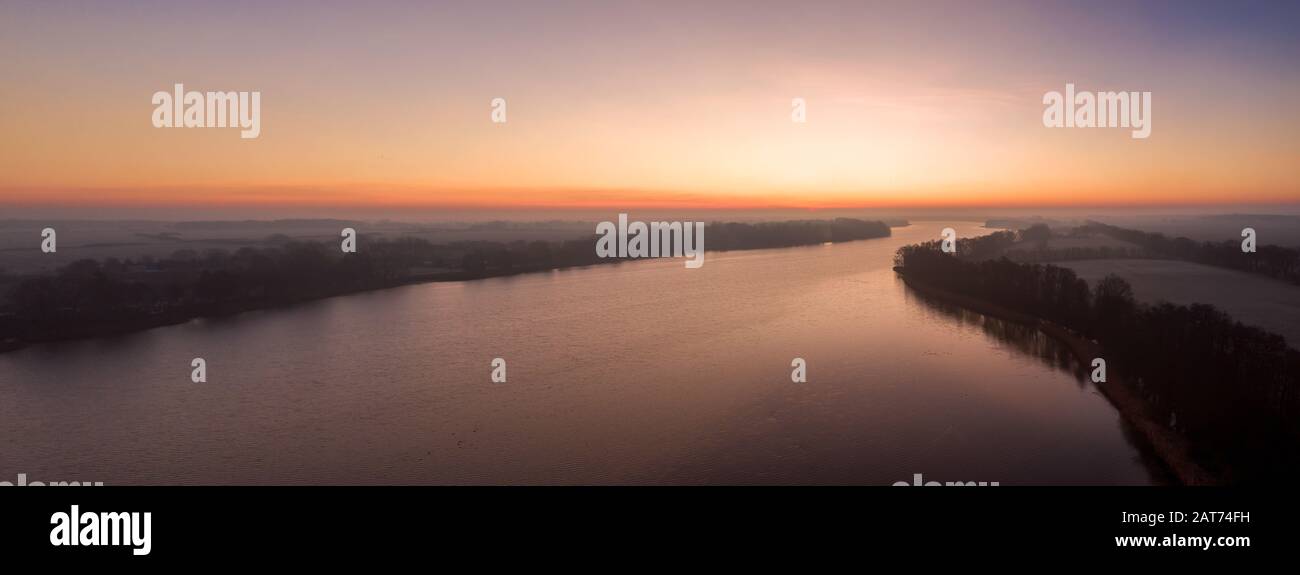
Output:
x=217 y=310
x=1172 y=449
x=212 y=310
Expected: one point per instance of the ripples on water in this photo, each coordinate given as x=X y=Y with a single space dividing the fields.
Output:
x=643 y=372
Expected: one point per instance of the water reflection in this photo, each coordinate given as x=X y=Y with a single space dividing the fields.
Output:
x=1026 y=339
x=1032 y=342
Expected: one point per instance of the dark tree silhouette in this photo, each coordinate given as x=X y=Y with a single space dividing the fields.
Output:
x=1231 y=388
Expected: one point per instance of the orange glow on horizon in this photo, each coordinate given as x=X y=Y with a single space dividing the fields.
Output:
x=387 y=196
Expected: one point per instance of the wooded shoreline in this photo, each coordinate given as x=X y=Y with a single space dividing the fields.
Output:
x=1173 y=450
x=90 y=299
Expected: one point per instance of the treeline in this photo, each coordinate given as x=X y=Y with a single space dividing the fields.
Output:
x=738 y=236
x=1271 y=260
x=1231 y=389
x=90 y=298
x=988 y=246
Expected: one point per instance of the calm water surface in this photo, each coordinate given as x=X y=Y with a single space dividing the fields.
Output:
x=644 y=372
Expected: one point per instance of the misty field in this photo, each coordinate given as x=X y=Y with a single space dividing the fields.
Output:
x=1251 y=299
x=1057 y=243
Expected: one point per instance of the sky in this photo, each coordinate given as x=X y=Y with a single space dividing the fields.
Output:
x=638 y=105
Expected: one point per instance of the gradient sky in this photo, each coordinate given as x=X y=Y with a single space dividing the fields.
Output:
x=637 y=104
